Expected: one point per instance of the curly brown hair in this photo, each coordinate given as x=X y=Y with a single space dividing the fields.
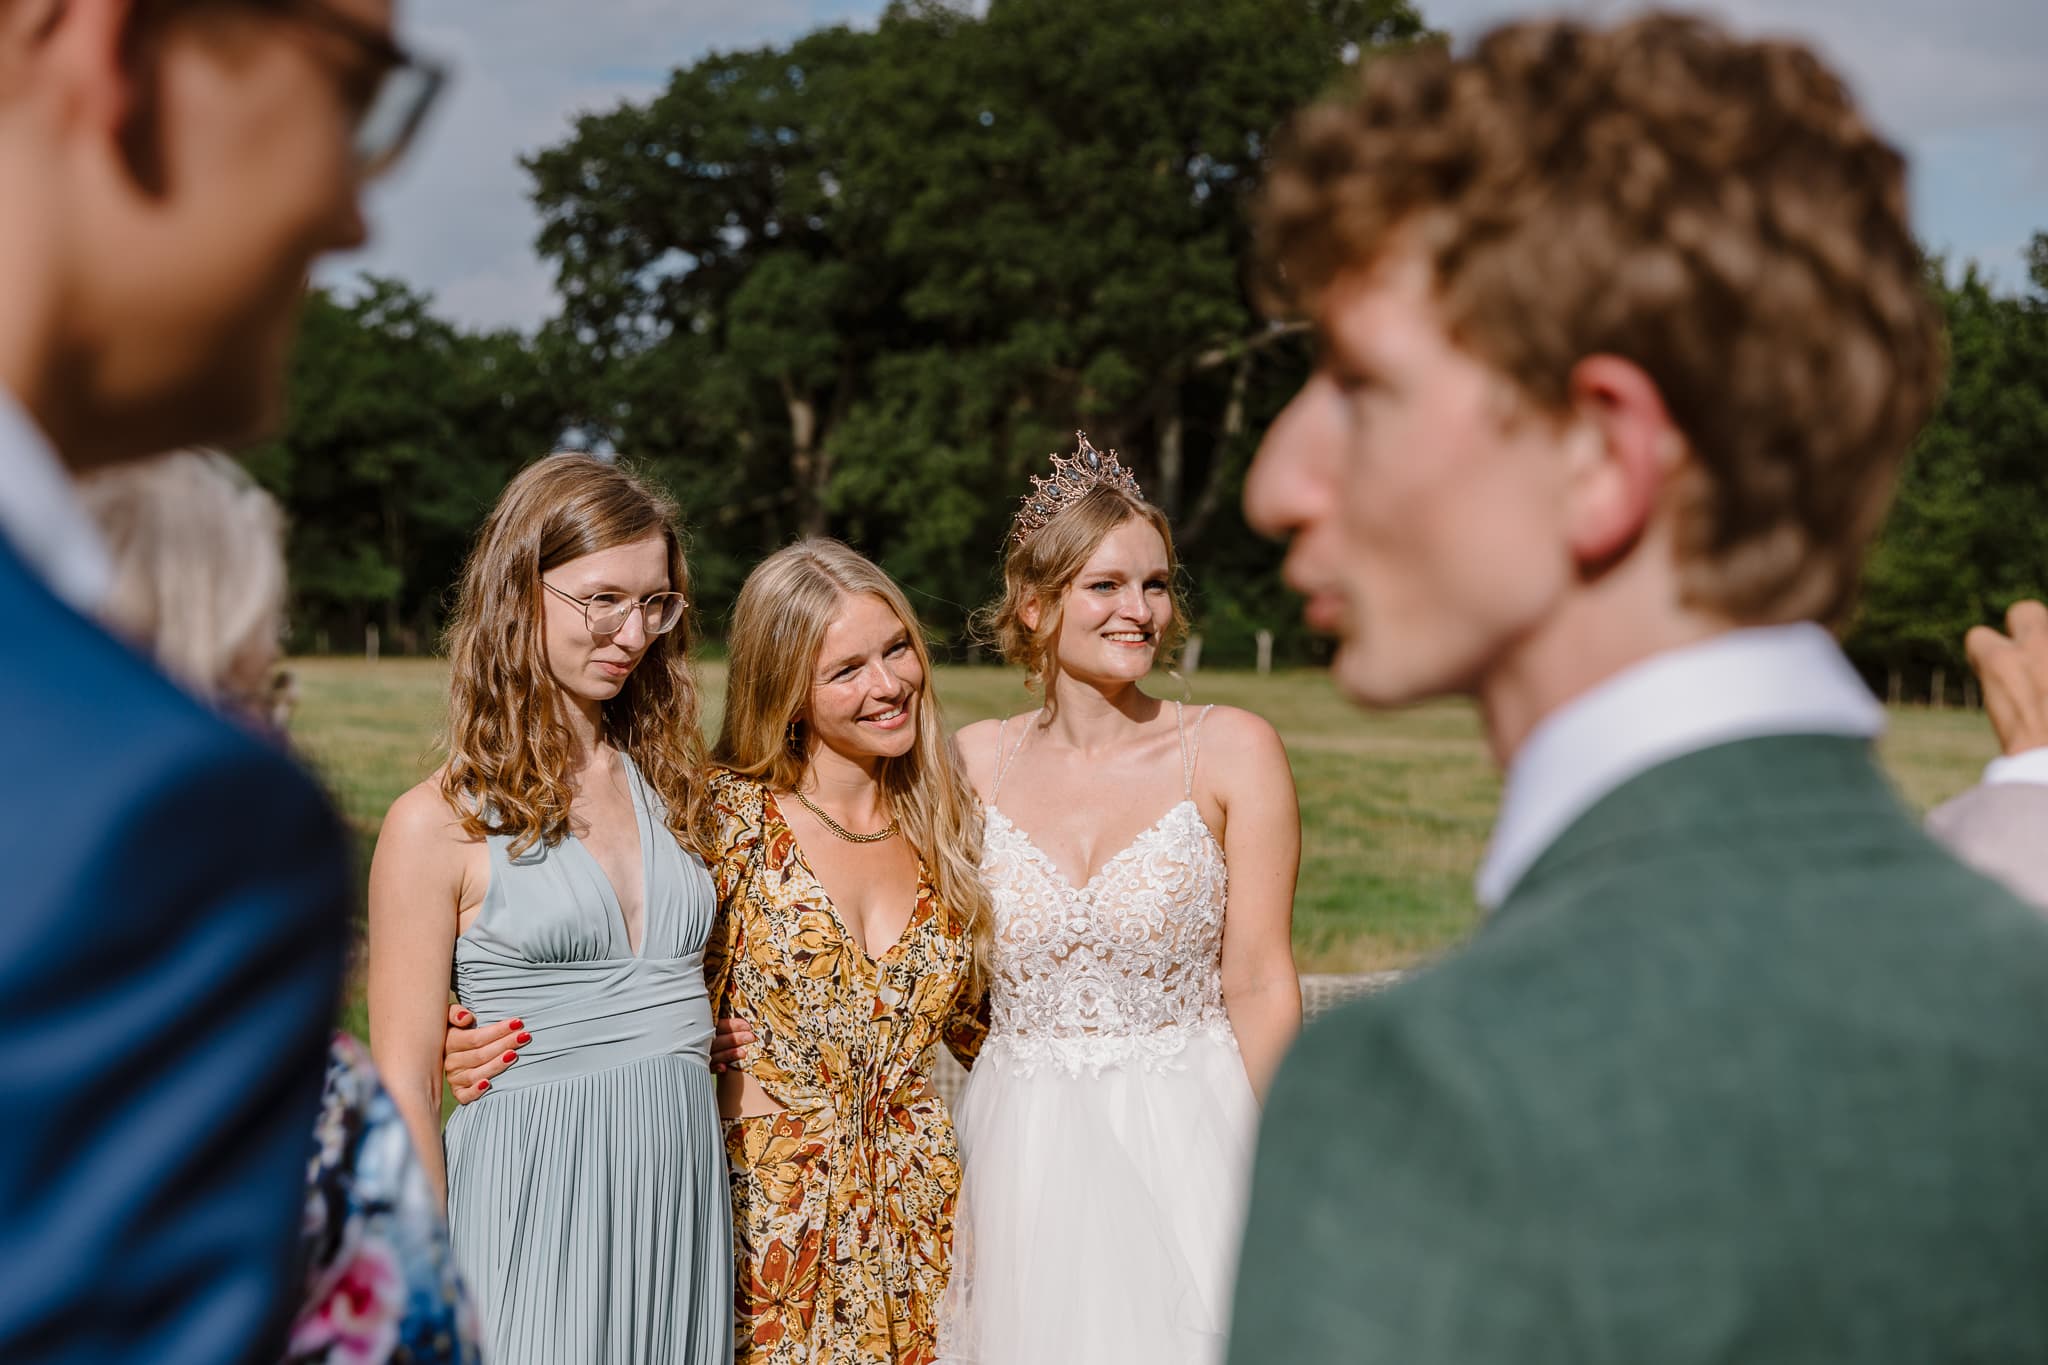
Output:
x=508 y=748
x=1714 y=210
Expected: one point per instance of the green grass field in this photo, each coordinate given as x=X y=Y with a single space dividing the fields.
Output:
x=1395 y=807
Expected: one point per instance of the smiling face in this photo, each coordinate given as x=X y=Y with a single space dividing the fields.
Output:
x=1427 y=520
x=867 y=684
x=589 y=667
x=1114 y=613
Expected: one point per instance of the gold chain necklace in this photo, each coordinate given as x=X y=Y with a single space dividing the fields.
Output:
x=841 y=830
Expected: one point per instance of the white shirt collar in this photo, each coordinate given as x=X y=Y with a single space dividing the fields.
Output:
x=42 y=517
x=1775 y=680
x=2027 y=766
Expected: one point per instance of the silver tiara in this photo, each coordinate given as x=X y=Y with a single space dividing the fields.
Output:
x=1073 y=477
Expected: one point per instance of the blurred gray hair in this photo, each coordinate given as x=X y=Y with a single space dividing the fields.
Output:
x=199 y=572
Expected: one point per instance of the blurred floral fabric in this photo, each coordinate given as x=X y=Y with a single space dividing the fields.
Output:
x=380 y=1282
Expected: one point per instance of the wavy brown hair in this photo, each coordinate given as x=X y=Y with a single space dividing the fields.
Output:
x=1040 y=569
x=1711 y=208
x=508 y=747
x=778 y=626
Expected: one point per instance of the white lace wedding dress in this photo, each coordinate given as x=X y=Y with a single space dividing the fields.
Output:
x=1106 y=1129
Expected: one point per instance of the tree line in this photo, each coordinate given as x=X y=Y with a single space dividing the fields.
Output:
x=864 y=282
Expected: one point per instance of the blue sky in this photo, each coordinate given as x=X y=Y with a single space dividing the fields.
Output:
x=1963 y=86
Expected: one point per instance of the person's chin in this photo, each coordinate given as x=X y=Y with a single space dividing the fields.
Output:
x=1123 y=663
x=1370 y=678
x=598 y=686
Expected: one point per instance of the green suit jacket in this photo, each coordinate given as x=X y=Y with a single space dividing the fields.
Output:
x=1745 y=1069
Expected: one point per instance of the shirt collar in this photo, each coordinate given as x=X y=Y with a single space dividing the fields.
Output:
x=42 y=517
x=1773 y=680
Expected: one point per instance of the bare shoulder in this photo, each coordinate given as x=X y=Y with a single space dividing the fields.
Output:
x=421 y=819
x=979 y=745
x=1241 y=735
x=1241 y=754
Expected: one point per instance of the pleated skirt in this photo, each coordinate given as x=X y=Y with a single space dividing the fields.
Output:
x=590 y=1219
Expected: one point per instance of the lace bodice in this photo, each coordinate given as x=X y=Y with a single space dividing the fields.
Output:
x=1122 y=970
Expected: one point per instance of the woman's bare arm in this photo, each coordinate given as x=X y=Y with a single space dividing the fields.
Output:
x=415 y=908
x=1253 y=784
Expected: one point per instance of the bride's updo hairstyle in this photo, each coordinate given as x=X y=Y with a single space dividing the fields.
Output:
x=1045 y=556
x=508 y=747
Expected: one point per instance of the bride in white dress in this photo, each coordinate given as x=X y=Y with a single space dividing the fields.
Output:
x=1141 y=856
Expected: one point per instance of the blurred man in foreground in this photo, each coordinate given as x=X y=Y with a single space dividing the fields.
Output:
x=1624 y=336
x=177 y=892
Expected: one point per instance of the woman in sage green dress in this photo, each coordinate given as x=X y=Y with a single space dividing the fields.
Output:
x=552 y=871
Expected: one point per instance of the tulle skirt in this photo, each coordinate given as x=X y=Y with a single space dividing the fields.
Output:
x=1100 y=1207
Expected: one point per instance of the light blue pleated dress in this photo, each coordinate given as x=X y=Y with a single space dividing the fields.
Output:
x=587 y=1189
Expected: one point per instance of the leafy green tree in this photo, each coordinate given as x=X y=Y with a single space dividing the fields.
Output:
x=863 y=283
x=402 y=430
x=1969 y=533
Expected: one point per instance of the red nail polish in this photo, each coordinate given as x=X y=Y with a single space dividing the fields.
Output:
x=511 y=1056
x=483 y=1085
x=515 y=1024
x=523 y=1039
x=466 y=1017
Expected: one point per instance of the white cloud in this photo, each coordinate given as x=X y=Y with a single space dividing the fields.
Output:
x=455 y=219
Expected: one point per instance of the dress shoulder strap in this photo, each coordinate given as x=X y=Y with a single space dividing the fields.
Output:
x=1003 y=759
x=1190 y=746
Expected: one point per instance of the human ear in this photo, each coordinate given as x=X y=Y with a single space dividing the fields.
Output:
x=105 y=61
x=1031 y=611
x=1620 y=448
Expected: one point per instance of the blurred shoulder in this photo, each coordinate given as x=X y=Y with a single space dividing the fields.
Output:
x=100 y=734
x=1990 y=811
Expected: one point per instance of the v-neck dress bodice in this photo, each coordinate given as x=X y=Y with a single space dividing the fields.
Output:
x=1106 y=1129
x=586 y=1188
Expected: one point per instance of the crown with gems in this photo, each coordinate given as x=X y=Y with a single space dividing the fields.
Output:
x=1073 y=477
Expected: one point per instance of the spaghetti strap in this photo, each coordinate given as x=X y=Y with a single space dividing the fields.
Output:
x=1190 y=749
x=1187 y=767
x=1003 y=760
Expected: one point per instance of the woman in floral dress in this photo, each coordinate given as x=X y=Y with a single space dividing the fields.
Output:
x=852 y=925
x=845 y=859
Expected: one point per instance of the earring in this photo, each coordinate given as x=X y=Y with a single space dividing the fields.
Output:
x=793 y=737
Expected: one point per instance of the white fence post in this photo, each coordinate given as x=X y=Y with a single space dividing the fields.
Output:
x=1265 y=642
x=370 y=642
x=1191 y=655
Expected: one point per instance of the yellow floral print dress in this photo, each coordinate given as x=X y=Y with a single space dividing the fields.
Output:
x=842 y=1202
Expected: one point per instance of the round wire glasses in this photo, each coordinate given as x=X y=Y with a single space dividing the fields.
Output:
x=606 y=613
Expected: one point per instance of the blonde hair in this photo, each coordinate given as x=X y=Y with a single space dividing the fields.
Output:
x=778 y=626
x=1714 y=210
x=199 y=571
x=508 y=747
x=1040 y=569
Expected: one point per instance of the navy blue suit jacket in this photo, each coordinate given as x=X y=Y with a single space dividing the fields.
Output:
x=174 y=898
